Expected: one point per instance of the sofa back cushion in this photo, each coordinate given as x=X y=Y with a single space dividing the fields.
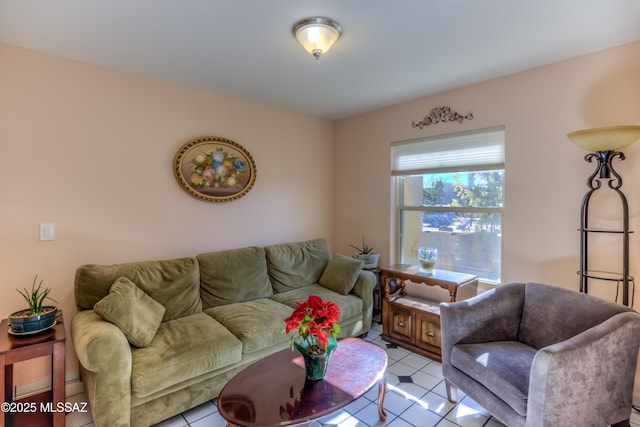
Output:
x=232 y=276
x=174 y=283
x=295 y=265
x=552 y=314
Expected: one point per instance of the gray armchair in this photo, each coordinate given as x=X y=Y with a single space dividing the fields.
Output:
x=541 y=356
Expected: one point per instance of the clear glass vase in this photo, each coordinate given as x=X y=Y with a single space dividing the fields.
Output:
x=427 y=257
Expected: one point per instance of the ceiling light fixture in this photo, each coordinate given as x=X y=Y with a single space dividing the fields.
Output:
x=317 y=34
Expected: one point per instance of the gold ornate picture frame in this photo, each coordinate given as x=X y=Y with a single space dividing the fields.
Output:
x=214 y=169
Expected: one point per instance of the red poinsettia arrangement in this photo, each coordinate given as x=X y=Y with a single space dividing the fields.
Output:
x=316 y=320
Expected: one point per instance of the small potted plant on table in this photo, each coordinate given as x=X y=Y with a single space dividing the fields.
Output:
x=366 y=254
x=37 y=317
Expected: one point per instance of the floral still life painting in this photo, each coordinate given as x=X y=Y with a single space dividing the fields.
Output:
x=214 y=169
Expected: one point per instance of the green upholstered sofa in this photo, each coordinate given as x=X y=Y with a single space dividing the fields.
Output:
x=214 y=315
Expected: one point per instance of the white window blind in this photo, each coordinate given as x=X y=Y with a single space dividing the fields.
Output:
x=473 y=150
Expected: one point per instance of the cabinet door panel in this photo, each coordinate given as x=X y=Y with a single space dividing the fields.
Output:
x=429 y=329
x=401 y=323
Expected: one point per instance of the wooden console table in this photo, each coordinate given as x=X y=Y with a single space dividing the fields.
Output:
x=461 y=286
x=414 y=323
x=15 y=349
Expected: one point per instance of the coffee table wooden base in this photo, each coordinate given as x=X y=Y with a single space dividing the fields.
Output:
x=274 y=391
x=382 y=392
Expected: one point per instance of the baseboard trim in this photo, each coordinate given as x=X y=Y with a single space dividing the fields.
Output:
x=72 y=386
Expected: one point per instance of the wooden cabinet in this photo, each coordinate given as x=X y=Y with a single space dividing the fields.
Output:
x=428 y=330
x=401 y=323
x=413 y=324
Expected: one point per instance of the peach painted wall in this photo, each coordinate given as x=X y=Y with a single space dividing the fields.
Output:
x=91 y=150
x=545 y=176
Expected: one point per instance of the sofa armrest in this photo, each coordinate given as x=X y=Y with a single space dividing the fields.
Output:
x=105 y=354
x=594 y=369
x=363 y=289
x=491 y=316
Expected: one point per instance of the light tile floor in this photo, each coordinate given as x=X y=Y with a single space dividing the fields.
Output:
x=421 y=402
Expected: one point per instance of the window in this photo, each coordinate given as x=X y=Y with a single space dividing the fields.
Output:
x=450 y=196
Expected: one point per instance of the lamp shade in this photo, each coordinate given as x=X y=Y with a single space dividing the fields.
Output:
x=317 y=35
x=610 y=138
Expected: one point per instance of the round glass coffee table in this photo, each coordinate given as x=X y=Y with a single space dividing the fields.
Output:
x=274 y=391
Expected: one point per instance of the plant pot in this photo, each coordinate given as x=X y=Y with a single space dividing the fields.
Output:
x=316 y=365
x=370 y=260
x=22 y=322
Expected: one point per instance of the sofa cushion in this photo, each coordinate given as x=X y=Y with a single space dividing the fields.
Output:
x=182 y=349
x=341 y=273
x=234 y=275
x=133 y=311
x=350 y=305
x=503 y=367
x=258 y=324
x=294 y=265
x=174 y=283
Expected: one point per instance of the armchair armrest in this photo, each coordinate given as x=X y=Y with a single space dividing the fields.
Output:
x=594 y=369
x=105 y=354
x=491 y=316
x=363 y=289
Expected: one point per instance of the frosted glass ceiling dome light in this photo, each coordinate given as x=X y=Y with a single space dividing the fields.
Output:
x=610 y=138
x=317 y=34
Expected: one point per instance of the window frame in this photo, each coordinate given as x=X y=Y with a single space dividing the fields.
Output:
x=398 y=184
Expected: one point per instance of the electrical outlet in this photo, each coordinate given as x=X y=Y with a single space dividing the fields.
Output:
x=46 y=232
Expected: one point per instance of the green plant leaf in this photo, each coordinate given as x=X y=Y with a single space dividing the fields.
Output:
x=35 y=299
x=364 y=249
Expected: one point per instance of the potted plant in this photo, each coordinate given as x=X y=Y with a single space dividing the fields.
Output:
x=366 y=254
x=37 y=317
x=316 y=322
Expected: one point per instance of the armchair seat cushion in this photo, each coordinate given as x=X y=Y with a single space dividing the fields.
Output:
x=503 y=367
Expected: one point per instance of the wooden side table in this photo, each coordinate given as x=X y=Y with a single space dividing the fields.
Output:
x=15 y=349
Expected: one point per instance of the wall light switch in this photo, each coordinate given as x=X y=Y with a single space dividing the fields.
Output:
x=46 y=231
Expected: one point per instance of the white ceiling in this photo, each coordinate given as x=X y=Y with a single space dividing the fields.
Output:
x=390 y=51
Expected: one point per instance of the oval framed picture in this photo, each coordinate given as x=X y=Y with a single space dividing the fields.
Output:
x=214 y=169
